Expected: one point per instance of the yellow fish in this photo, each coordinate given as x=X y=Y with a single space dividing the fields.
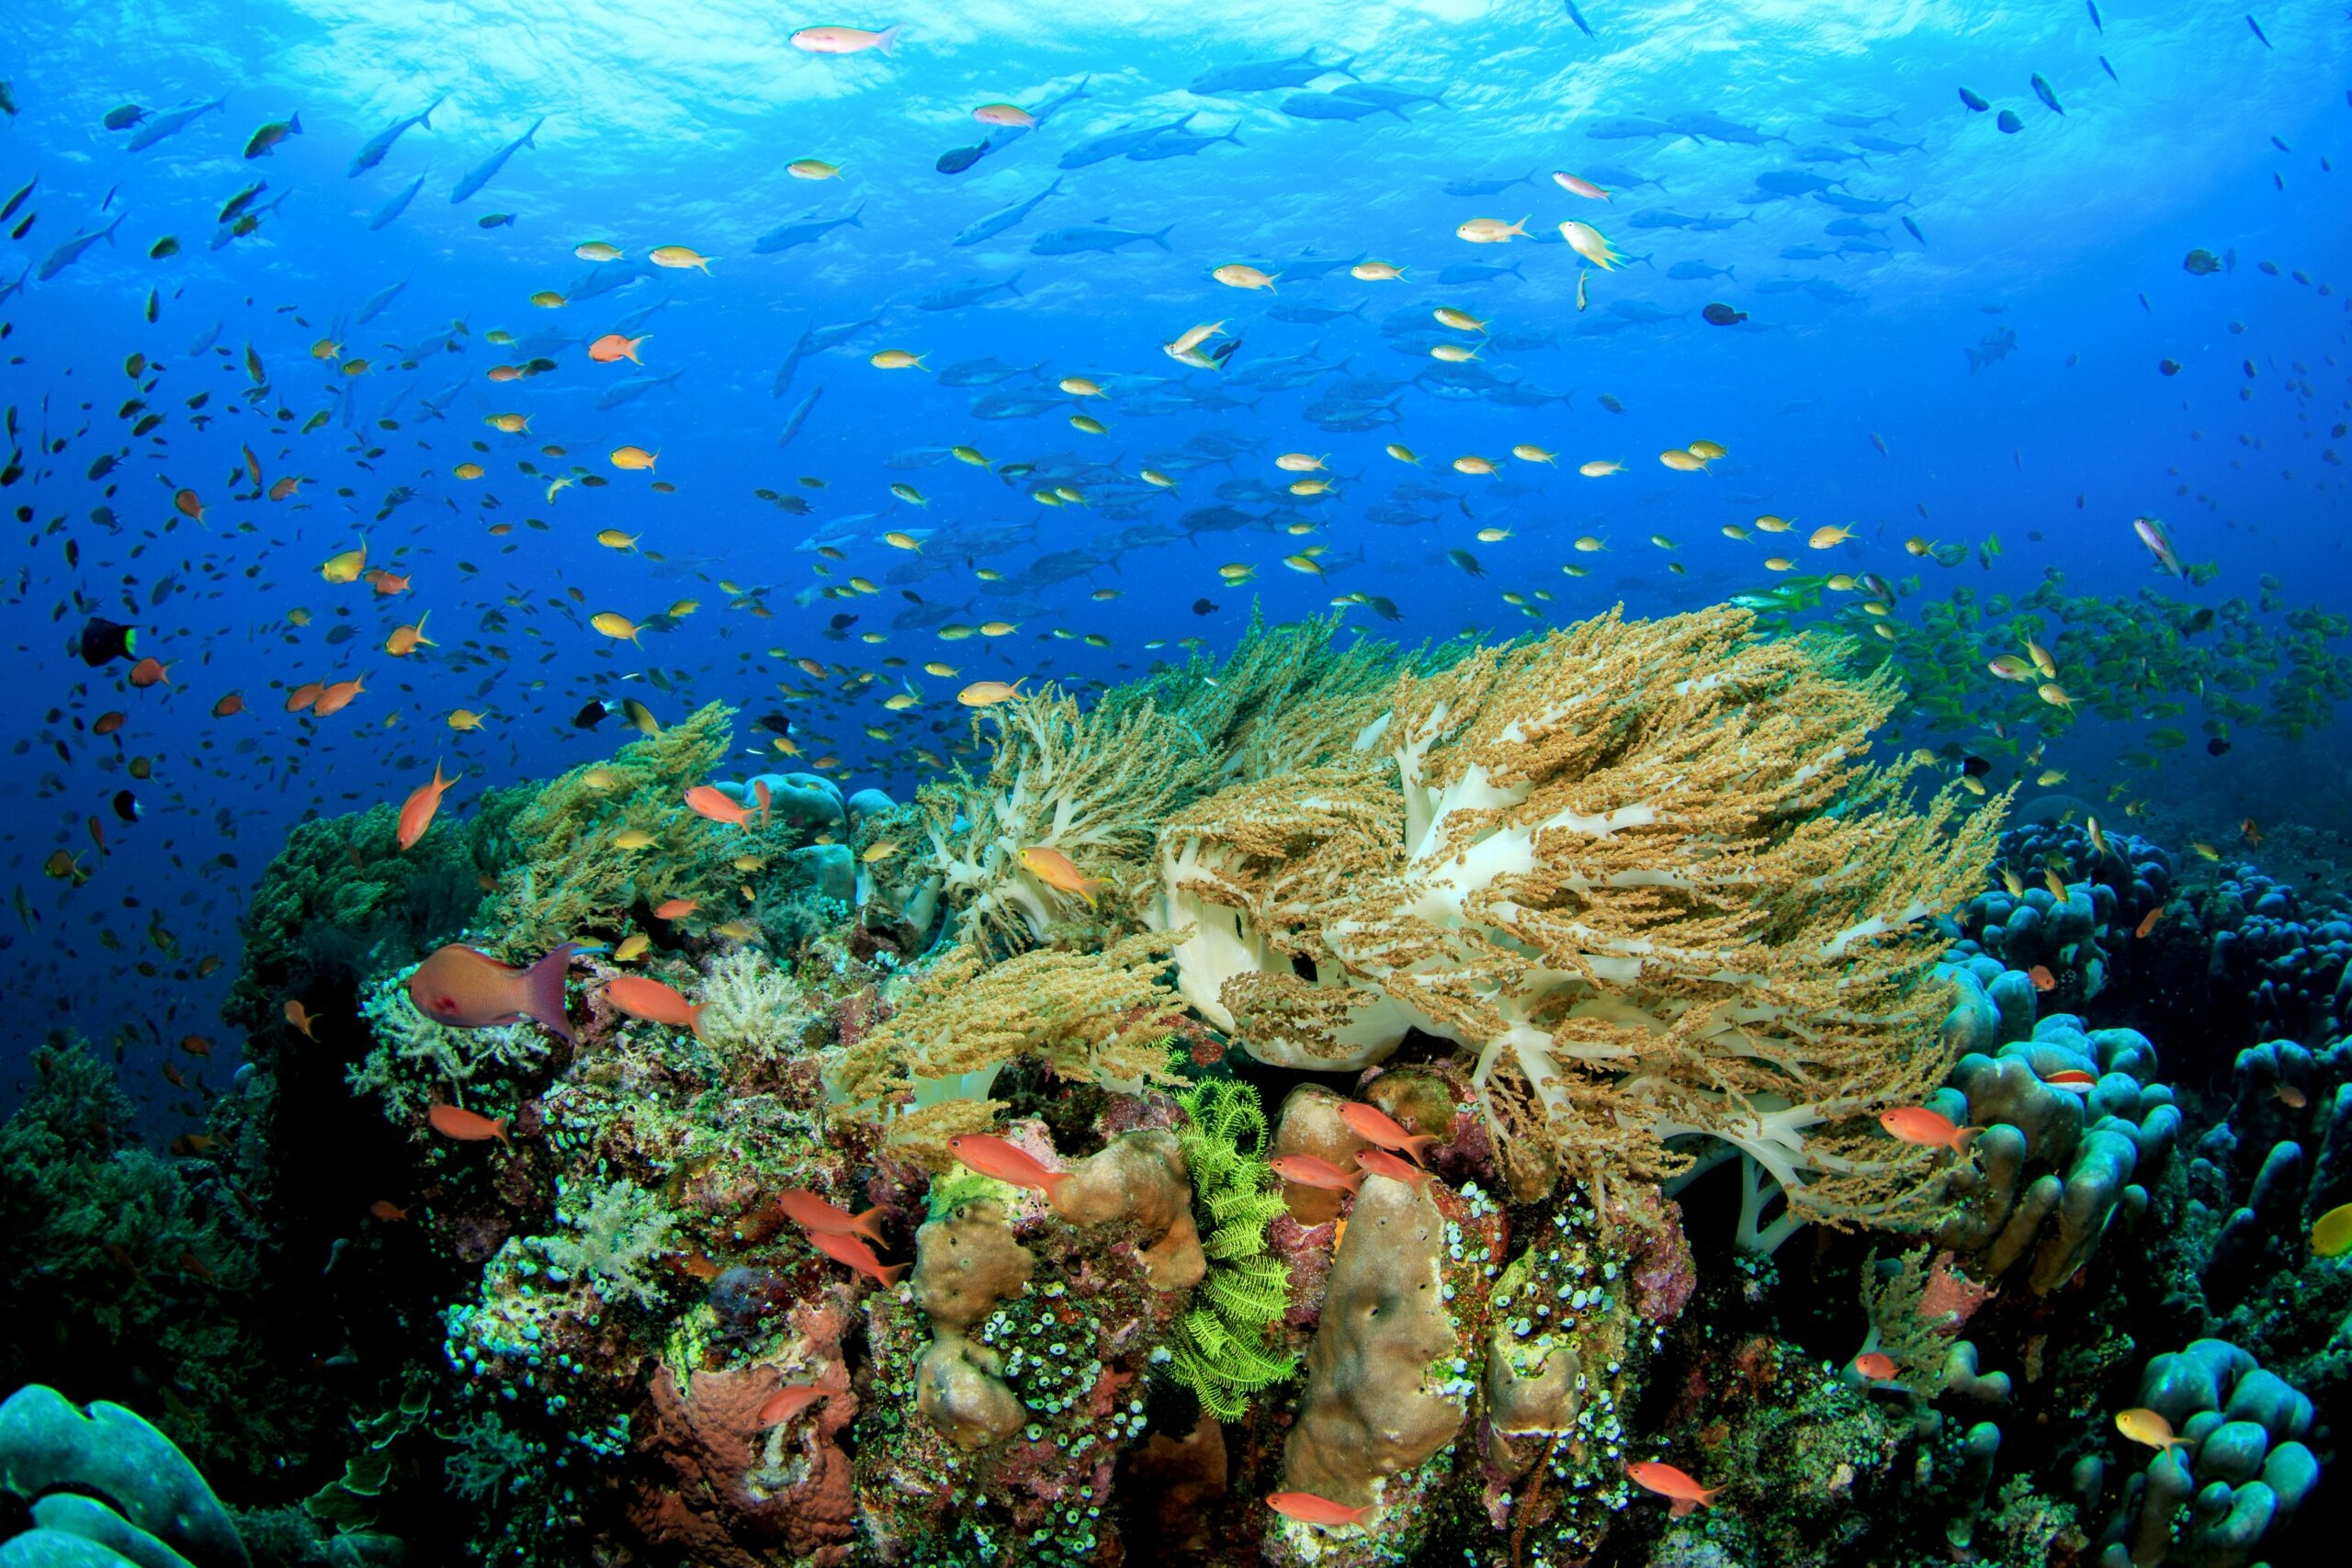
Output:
x=634 y=460
x=2145 y=1425
x=988 y=693
x=632 y=948
x=679 y=256
x=633 y=839
x=1057 y=871
x=1599 y=467
x=2332 y=1232
x=614 y=625
x=896 y=359
x=345 y=565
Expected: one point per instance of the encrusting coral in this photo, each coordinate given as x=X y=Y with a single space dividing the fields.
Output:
x=1640 y=870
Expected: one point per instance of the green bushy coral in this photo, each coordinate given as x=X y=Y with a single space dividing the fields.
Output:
x=1220 y=1348
x=615 y=1232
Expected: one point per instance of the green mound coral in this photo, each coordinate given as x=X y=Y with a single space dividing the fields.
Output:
x=614 y=1232
x=1220 y=1350
x=341 y=901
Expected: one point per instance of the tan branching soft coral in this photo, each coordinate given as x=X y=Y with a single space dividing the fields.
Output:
x=1102 y=1018
x=1093 y=786
x=1641 y=871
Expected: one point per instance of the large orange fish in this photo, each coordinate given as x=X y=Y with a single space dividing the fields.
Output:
x=784 y=1404
x=466 y=989
x=1309 y=1509
x=857 y=1254
x=1057 y=871
x=1917 y=1124
x=653 y=1001
x=337 y=696
x=151 y=672
x=1672 y=1485
x=613 y=345
x=1380 y=1162
x=817 y=1217
x=465 y=1126
x=993 y=1157
x=714 y=805
x=416 y=812
x=1309 y=1171
x=1376 y=1126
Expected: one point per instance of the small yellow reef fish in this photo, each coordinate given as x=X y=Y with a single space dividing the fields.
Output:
x=988 y=693
x=1460 y=321
x=614 y=539
x=896 y=359
x=1241 y=275
x=1528 y=452
x=1599 y=467
x=1827 y=537
x=1681 y=461
x=679 y=256
x=1299 y=463
x=1402 y=453
x=1471 y=463
x=633 y=839
x=1376 y=272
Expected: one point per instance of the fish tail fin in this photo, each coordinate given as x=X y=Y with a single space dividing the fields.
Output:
x=869 y=1225
x=1680 y=1507
x=852 y=218
x=694 y=1018
x=294 y=124
x=886 y=41
x=1344 y=67
x=895 y=1272
x=1012 y=287
x=1161 y=238
x=425 y=119
x=543 y=991
x=498 y=1130
x=534 y=132
x=1963 y=1138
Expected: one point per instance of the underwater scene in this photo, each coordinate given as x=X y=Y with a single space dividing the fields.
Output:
x=1492 y=783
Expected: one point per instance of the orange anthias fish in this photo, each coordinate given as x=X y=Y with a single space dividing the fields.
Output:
x=716 y=805
x=784 y=1404
x=386 y=1211
x=1876 y=1366
x=299 y=1017
x=992 y=1155
x=304 y=696
x=465 y=1126
x=858 y=1256
x=2148 y=921
x=2144 y=1425
x=1380 y=1162
x=1917 y=1124
x=151 y=672
x=2290 y=1097
x=2043 y=980
x=337 y=696
x=1309 y=1509
x=1376 y=1126
x=676 y=908
x=613 y=346
x=416 y=812
x=1309 y=1171
x=1057 y=871
x=1672 y=1485
x=466 y=989
x=653 y=1001
x=819 y=1217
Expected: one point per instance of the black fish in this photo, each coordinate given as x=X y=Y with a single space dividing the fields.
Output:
x=122 y=116
x=18 y=199
x=773 y=723
x=165 y=248
x=961 y=159
x=495 y=220
x=2010 y=123
x=126 y=805
x=1204 y=607
x=2169 y=366
x=2041 y=90
x=103 y=640
x=590 y=716
x=2112 y=76
x=1722 y=315
x=1972 y=766
x=1914 y=230
x=2203 y=621
x=1577 y=18
x=2201 y=262
x=843 y=622
x=2095 y=21
x=2257 y=31
x=1611 y=404
x=1973 y=101
x=2217 y=747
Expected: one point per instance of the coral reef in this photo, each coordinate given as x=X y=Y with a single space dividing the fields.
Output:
x=106 y=1477
x=1580 y=970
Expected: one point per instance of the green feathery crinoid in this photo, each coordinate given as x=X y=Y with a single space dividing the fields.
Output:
x=1220 y=1350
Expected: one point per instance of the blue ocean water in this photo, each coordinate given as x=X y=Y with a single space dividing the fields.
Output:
x=1949 y=331
x=661 y=354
